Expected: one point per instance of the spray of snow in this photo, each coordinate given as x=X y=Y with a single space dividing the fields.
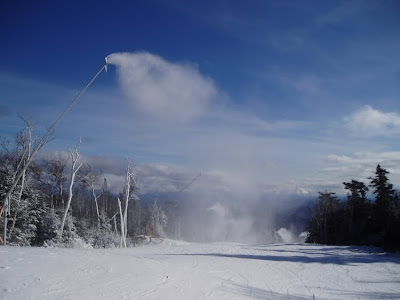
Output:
x=223 y=225
x=165 y=90
x=218 y=209
x=287 y=236
x=303 y=236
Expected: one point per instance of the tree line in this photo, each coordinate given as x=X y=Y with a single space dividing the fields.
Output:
x=358 y=220
x=60 y=201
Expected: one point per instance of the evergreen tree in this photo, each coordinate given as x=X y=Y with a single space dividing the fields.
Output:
x=24 y=207
x=324 y=227
x=386 y=212
x=385 y=202
x=48 y=226
x=356 y=210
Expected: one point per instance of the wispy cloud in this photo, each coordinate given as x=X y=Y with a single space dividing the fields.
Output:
x=390 y=159
x=361 y=165
x=369 y=121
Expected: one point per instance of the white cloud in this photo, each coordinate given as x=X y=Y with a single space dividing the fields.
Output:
x=361 y=165
x=339 y=158
x=165 y=90
x=367 y=158
x=372 y=122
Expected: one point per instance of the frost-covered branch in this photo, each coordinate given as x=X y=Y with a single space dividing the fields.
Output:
x=74 y=170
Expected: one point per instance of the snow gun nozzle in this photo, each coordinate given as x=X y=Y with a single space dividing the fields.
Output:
x=105 y=63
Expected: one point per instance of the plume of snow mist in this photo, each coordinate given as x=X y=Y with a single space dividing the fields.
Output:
x=286 y=235
x=224 y=225
x=165 y=90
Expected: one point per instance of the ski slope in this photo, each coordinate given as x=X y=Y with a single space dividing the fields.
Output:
x=178 y=270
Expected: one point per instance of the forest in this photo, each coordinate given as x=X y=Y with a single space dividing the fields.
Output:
x=57 y=200
x=60 y=201
x=358 y=220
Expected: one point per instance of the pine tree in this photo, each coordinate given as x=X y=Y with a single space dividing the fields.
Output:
x=385 y=202
x=25 y=204
x=387 y=210
x=324 y=227
x=48 y=227
x=357 y=211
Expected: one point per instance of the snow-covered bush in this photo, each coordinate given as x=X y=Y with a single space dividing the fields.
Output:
x=158 y=221
x=103 y=237
x=24 y=215
x=48 y=227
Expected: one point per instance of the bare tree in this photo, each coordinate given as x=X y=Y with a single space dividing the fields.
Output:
x=123 y=237
x=130 y=183
x=74 y=170
x=129 y=191
x=36 y=148
x=91 y=179
x=55 y=177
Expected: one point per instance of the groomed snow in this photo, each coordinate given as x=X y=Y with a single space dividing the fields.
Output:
x=178 y=270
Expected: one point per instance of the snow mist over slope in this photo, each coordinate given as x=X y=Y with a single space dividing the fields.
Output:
x=245 y=220
x=181 y=115
x=208 y=213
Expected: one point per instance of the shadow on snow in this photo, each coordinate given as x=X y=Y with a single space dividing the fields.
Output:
x=258 y=293
x=342 y=255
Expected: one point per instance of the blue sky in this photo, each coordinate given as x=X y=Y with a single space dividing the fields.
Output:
x=259 y=96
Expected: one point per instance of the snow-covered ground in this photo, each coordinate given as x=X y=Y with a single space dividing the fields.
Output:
x=178 y=270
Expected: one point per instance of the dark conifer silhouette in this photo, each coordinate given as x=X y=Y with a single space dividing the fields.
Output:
x=356 y=220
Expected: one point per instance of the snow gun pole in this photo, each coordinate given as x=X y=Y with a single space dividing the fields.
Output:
x=194 y=179
x=182 y=189
x=39 y=145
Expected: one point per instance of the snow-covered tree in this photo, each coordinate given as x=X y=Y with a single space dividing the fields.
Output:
x=24 y=208
x=26 y=147
x=16 y=166
x=129 y=193
x=48 y=227
x=26 y=213
x=74 y=170
x=54 y=177
x=91 y=179
x=158 y=220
